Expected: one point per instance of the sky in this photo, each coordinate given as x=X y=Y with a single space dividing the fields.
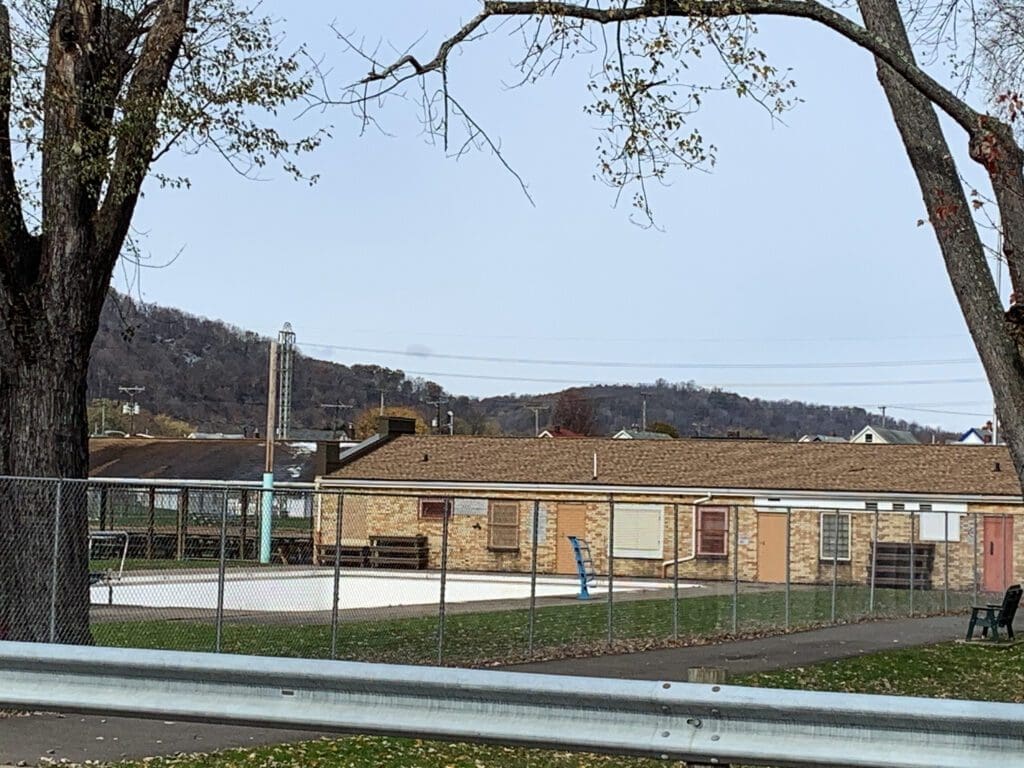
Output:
x=795 y=270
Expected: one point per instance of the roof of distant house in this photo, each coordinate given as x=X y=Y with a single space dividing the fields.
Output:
x=559 y=432
x=185 y=459
x=890 y=436
x=691 y=464
x=822 y=439
x=640 y=434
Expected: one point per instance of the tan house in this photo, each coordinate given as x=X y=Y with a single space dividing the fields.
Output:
x=717 y=507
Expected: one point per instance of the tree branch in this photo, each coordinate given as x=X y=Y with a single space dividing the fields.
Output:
x=139 y=130
x=13 y=232
x=946 y=100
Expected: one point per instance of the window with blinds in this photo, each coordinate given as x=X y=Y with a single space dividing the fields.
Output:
x=639 y=531
x=503 y=526
x=835 y=545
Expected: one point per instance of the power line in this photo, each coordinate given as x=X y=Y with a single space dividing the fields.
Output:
x=662 y=365
x=717 y=385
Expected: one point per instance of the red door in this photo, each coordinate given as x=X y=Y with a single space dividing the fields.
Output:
x=997 y=566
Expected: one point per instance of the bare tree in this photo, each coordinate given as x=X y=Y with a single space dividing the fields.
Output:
x=92 y=93
x=573 y=411
x=639 y=89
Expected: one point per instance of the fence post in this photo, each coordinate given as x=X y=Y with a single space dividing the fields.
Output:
x=221 y=568
x=945 y=568
x=611 y=569
x=151 y=523
x=337 y=572
x=675 y=572
x=736 y=570
x=1003 y=567
x=912 y=557
x=244 y=531
x=874 y=564
x=789 y=563
x=835 y=559
x=182 y=522
x=54 y=574
x=977 y=539
x=448 y=510
x=104 y=506
x=533 y=577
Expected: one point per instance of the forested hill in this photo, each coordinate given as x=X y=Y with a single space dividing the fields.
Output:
x=213 y=376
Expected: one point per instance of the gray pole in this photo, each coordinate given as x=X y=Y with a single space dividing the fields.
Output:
x=912 y=555
x=221 y=569
x=611 y=567
x=444 y=579
x=874 y=565
x=789 y=562
x=835 y=560
x=945 y=569
x=736 y=571
x=977 y=538
x=533 y=577
x=340 y=499
x=53 y=566
x=675 y=572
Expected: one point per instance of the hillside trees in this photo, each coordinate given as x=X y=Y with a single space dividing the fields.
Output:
x=92 y=94
x=645 y=97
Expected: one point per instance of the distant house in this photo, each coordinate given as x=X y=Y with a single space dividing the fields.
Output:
x=821 y=439
x=639 y=434
x=885 y=436
x=559 y=432
x=975 y=436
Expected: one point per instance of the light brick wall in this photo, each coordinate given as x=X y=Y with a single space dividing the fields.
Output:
x=391 y=513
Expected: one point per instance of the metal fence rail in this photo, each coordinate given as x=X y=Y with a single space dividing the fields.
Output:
x=701 y=723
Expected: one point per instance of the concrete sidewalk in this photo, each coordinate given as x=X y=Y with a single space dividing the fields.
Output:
x=34 y=739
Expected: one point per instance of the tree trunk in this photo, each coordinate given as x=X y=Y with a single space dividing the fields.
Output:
x=43 y=364
x=950 y=214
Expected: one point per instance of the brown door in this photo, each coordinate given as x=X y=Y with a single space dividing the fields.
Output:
x=997 y=565
x=771 y=547
x=572 y=521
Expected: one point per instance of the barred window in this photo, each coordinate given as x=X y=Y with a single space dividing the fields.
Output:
x=830 y=537
x=503 y=525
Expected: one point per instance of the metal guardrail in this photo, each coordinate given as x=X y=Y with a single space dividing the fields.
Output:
x=668 y=720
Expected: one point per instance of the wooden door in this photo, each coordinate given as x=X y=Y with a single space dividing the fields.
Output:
x=572 y=521
x=771 y=547
x=997 y=563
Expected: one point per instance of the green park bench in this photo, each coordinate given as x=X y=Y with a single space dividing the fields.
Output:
x=995 y=615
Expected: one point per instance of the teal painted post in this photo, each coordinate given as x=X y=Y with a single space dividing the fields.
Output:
x=266 y=516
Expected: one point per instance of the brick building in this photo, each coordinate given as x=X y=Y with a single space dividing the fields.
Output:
x=718 y=507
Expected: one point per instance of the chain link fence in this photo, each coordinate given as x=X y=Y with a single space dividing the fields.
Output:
x=418 y=578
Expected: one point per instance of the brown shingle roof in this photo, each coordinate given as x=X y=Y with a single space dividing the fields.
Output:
x=715 y=464
x=166 y=459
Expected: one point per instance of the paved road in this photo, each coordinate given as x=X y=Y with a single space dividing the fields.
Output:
x=43 y=738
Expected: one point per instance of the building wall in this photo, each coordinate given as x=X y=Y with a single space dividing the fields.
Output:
x=393 y=513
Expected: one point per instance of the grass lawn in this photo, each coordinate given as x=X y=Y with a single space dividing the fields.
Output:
x=952 y=670
x=502 y=635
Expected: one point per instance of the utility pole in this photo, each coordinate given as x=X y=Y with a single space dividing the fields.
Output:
x=267 y=505
x=132 y=408
x=437 y=421
x=382 y=402
x=643 y=416
x=536 y=416
x=335 y=408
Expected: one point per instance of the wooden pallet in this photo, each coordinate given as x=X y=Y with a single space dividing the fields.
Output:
x=893 y=565
x=399 y=552
x=349 y=556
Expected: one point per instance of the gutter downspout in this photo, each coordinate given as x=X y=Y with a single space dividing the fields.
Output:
x=693 y=536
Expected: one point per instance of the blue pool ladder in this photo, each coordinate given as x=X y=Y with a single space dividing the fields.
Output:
x=584 y=566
